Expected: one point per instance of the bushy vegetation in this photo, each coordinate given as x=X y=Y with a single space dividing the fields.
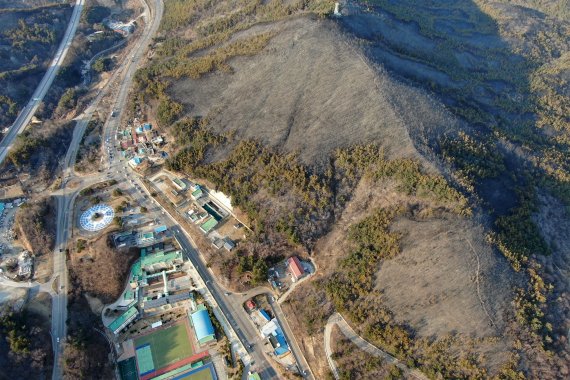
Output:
x=8 y=106
x=88 y=155
x=175 y=53
x=372 y=242
x=68 y=100
x=23 y=148
x=517 y=236
x=25 y=345
x=36 y=222
x=102 y=64
x=351 y=287
x=25 y=34
x=370 y=160
x=93 y=14
x=472 y=158
x=167 y=111
x=38 y=150
x=354 y=363
x=28 y=38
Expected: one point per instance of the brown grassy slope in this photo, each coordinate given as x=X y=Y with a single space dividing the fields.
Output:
x=309 y=92
x=430 y=286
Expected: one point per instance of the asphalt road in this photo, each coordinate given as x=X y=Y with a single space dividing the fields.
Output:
x=30 y=109
x=65 y=199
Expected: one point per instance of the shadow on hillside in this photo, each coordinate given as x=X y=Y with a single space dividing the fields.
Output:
x=456 y=53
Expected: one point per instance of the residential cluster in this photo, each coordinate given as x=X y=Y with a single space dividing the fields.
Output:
x=261 y=313
x=140 y=144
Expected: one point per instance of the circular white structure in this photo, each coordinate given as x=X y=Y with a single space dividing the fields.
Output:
x=96 y=218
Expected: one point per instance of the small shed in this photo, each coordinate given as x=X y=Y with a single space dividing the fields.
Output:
x=229 y=244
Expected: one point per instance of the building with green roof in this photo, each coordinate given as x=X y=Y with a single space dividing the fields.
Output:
x=152 y=263
x=123 y=320
x=208 y=225
x=197 y=193
x=253 y=376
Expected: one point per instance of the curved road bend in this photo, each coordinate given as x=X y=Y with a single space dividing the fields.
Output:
x=30 y=109
x=337 y=319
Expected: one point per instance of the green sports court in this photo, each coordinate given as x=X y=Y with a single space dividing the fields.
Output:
x=162 y=348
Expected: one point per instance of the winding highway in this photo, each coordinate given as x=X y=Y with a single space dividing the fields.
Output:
x=30 y=109
x=65 y=197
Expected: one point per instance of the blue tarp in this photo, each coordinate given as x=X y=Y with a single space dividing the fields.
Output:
x=283 y=347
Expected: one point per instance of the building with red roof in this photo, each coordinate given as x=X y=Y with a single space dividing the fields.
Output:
x=295 y=268
x=250 y=304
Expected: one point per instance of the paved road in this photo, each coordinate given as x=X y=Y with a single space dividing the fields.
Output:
x=337 y=319
x=295 y=349
x=30 y=109
x=65 y=199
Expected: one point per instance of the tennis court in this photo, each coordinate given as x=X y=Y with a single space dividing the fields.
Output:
x=163 y=347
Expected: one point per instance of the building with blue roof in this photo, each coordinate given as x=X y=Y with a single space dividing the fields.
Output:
x=264 y=314
x=203 y=325
x=160 y=229
x=135 y=161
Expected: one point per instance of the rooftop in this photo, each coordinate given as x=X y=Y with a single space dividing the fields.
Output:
x=295 y=266
x=208 y=225
x=123 y=318
x=203 y=325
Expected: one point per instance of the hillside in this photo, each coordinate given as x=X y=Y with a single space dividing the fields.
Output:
x=28 y=40
x=415 y=151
